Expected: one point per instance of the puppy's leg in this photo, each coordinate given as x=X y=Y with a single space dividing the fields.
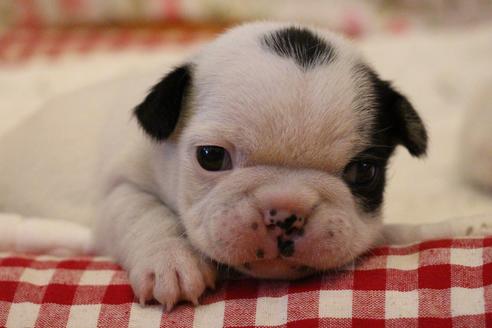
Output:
x=146 y=238
x=399 y=234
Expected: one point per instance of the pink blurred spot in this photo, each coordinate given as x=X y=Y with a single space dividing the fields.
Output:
x=353 y=24
x=28 y=15
x=171 y=10
x=71 y=7
x=398 y=25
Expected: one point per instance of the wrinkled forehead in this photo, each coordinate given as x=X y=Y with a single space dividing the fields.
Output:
x=278 y=109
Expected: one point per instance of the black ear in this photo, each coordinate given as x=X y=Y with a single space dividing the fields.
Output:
x=398 y=117
x=410 y=129
x=158 y=114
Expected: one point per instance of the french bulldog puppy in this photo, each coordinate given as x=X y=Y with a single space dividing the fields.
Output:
x=265 y=152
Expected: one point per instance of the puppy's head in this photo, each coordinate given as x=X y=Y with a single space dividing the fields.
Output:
x=283 y=136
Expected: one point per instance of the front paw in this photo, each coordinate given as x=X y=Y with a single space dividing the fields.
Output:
x=173 y=273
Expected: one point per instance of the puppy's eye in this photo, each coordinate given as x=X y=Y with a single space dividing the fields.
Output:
x=360 y=173
x=213 y=158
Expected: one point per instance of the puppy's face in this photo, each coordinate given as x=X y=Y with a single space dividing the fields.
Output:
x=283 y=138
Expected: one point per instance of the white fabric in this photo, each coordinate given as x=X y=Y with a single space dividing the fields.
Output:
x=35 y=235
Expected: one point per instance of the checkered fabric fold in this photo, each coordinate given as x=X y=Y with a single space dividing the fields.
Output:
x=443 y=283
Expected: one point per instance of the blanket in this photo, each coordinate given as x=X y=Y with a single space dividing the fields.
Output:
x=445 y=283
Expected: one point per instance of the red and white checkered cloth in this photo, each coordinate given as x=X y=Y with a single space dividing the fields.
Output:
x=22 y=44
x=443 y=283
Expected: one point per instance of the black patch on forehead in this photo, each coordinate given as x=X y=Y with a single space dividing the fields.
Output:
x=305 y=47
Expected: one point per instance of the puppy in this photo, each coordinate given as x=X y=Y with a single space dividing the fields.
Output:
x=265 y=152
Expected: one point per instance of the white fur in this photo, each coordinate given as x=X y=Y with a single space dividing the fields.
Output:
x=290 y=134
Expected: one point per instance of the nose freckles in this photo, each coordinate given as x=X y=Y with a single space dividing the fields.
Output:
x=285 y=209
x=285 y=225
x=287 y=221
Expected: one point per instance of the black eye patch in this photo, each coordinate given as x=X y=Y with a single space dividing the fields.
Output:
x=370 y=193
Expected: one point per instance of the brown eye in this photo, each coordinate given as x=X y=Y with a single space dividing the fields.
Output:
x=213 y=158
x=360 y=173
